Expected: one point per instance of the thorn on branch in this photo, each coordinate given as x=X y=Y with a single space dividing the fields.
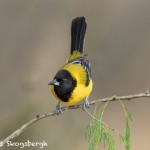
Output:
x=37 y=116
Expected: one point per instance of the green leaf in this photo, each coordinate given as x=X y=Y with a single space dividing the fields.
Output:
x=127 y=135
x=128 y=114
x=101 y=111
x=93 y=134
x=122 y=138
x=108 y=138
x=97 y=132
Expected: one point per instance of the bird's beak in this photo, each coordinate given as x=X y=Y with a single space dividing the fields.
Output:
x=54 y=82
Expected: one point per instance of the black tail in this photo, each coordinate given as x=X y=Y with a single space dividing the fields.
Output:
x=78 y=29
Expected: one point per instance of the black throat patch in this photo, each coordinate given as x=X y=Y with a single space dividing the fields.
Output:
x=67 y=85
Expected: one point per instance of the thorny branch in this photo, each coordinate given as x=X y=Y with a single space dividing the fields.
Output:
x=77 y=106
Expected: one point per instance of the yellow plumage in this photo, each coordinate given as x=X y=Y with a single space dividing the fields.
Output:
x=81 y=91
x=75 y=54
x=73 y=82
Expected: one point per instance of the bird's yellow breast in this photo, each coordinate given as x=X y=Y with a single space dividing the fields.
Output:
x=81 y=91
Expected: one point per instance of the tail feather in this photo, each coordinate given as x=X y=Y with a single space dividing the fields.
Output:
x=78 y=30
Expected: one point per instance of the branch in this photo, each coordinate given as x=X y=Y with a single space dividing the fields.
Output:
x=77 y=106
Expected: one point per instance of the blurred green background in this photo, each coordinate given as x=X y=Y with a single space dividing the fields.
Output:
x=35 y=42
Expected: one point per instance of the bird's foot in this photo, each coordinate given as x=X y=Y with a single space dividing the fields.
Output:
x=86 y=104
x=58 y=110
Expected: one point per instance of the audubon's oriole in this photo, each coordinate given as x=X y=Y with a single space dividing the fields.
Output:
x=73 y=82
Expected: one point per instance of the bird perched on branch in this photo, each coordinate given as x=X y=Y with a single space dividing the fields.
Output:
x=73 y=82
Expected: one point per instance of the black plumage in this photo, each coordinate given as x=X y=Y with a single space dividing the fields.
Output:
x=66 y=85
x=78 y=29
x=84 y=62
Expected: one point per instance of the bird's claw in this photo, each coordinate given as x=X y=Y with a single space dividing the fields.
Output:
x=86 y=104
x=58 y=110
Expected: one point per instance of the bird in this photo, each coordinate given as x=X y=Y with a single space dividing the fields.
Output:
x=73 y=82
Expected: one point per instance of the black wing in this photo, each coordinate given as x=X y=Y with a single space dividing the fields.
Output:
x=81 y=60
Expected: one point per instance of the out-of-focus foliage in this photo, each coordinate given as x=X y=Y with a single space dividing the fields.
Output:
x=98 y=132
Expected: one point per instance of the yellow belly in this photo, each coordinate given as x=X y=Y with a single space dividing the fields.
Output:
x=81 y=91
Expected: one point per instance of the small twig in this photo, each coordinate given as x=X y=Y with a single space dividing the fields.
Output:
x=77 y=106
x=106 y=125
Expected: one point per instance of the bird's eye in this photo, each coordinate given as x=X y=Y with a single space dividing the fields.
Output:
x=58 y=80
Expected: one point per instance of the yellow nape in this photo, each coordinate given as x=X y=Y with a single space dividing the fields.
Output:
x=75 y=54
